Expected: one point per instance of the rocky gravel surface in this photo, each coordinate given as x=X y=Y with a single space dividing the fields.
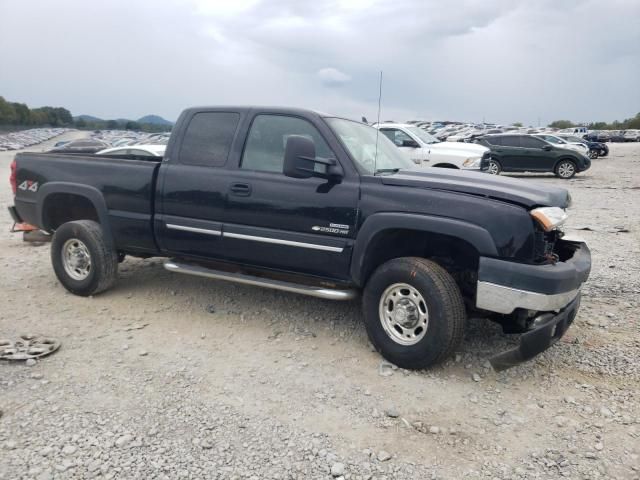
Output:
x=168 y=376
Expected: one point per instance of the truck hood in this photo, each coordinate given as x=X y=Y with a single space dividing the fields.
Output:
x=505 y=189
x=462 y=147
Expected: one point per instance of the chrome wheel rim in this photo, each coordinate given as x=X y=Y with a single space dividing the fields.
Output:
x=76 y=259
x=404 y=314
x=566 y=169
x=493 y=168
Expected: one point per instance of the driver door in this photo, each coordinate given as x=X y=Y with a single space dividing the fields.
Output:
x=303 y=225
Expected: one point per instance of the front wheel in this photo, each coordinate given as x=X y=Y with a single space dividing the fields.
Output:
x=494 y=167
x=593 y=154
x=83 y=261
x=566 y=169
x=414 y=312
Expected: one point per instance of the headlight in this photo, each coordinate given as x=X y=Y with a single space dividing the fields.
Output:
x=471 y=162
x=549 y=217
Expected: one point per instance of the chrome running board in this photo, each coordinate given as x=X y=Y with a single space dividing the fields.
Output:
x=247 y=279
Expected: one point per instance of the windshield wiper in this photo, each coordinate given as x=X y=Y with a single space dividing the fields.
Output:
x=386 y=170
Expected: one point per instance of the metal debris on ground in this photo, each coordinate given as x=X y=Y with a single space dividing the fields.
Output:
x=135 y=326
x=27 y=347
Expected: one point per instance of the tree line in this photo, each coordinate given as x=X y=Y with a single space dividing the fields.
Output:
x=632 y=123
x=16 y=114
x=13 y=113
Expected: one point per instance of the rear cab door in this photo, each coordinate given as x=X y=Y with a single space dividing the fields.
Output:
x=192 y=183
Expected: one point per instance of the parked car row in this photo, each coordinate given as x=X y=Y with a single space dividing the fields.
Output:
x=117 y=142
x=27 y=138
x=631 y=135
x=468 y=132
x=496 y=152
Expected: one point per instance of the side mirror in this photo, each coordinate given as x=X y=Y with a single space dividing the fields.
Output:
x=300 y=160
x=410 y=143
x=547 y=148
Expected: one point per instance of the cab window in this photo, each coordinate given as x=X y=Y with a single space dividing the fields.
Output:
x=267 y=139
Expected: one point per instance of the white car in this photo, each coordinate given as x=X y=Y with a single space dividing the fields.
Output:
x=574 y=131
x=560 y=142
x=425 y=149
x=139 y=150
x=631 y=136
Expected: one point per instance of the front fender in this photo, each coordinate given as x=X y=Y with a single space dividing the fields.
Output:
x=381 y=222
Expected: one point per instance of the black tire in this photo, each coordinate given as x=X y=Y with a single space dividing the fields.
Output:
x=565 y=169
x=446 y=314
x=87 y=236
x=494 y=167
x=593 y=154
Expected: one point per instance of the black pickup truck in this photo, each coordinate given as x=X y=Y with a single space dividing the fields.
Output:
x=315 y=204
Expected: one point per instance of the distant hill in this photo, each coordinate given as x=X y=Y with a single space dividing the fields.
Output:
x=154 y=120
x=88 y=118
x=148 y=119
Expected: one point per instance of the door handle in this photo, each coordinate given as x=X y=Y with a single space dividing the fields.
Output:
x=240 y=189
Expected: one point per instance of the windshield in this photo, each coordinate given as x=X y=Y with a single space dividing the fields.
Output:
x=360 y=141
x=556 y=140
x=422 y=135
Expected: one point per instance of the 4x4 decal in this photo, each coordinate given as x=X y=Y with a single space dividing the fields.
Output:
x=29 y=185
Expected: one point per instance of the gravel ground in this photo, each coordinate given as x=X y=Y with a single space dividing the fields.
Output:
x=168 y=376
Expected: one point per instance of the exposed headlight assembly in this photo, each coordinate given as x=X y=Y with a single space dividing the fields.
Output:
x=549 y=218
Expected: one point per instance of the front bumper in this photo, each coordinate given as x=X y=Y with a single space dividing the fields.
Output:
x=504 y=286
x=550 y=293
x=548 y=329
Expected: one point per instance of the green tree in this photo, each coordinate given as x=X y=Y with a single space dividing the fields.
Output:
x=111 y=125
x=7 y=112
x=517 y=124
x=131 y=125
x=562 y=124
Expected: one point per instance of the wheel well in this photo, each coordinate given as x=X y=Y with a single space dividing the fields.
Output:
x=446 y=165
x=456 y=255
x=61 y=208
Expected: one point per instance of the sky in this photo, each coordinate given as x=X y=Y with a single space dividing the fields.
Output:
x=502 y=61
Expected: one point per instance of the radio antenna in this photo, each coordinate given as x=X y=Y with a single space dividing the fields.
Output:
x=375 y=158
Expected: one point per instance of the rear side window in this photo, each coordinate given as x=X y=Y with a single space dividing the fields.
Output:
x=494 y=140
x=511 y=141
x=208 y=138
x=531 y=142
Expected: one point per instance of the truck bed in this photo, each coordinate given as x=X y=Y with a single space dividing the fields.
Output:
x=127 y=186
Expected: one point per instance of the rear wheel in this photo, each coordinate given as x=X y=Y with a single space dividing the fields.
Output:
x=494 y=167
x=82 y=260
x=566 y=169
x=593 y=154
x=414 y=312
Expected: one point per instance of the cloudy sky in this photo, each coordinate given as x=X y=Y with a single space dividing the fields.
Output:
x=498 y=60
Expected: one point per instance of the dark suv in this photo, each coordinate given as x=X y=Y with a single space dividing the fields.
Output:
x=526 y=153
